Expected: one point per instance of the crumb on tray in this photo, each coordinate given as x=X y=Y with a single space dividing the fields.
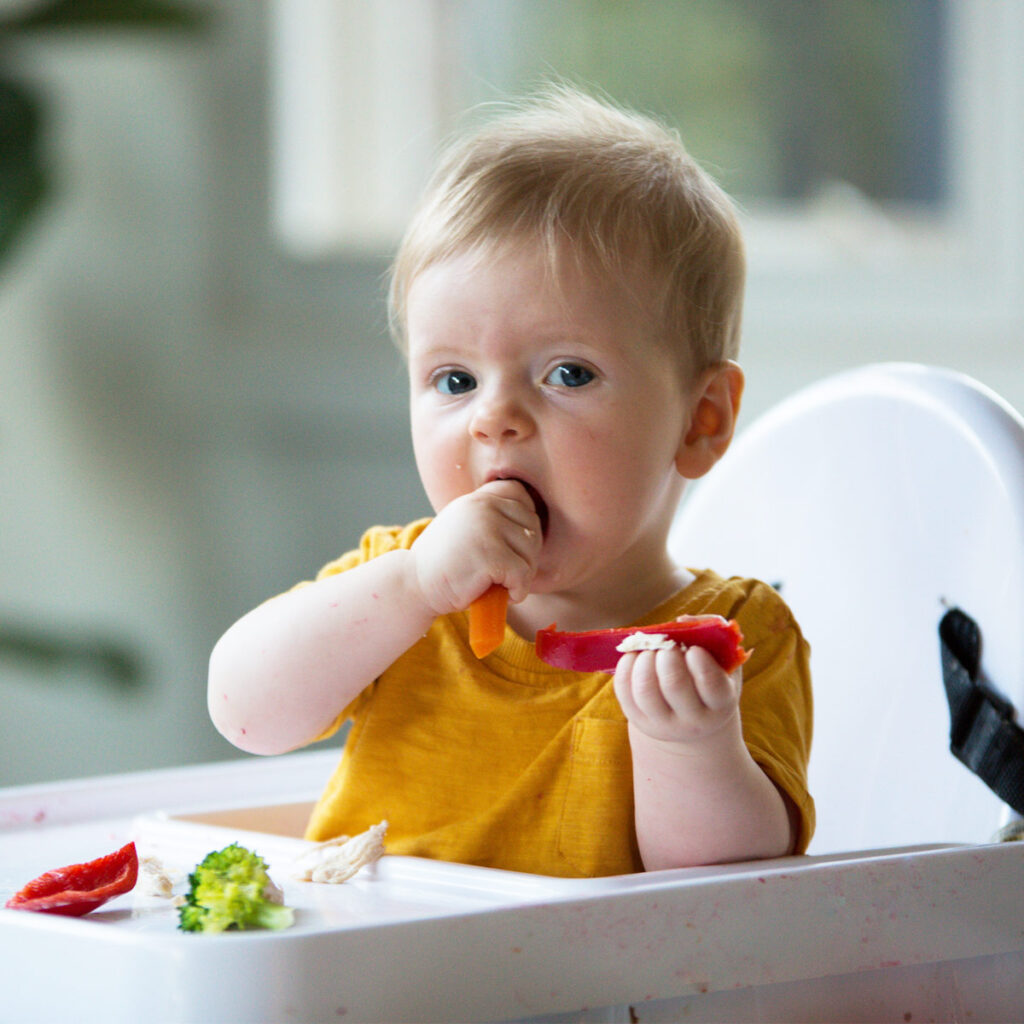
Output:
x=337 y=860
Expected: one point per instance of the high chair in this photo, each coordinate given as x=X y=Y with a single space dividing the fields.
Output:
x=877 y=501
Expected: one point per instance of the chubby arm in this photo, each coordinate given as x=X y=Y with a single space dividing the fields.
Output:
x=281 y=675
x=700 y=797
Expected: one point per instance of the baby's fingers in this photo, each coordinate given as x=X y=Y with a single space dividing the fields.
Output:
x=655 y=686
x=676 y=685
x=674 y=695
x=636 y=686
x=716 y=689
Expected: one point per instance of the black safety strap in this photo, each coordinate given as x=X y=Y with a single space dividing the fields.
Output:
x=983 y=732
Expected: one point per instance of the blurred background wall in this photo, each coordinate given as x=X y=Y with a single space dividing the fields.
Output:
x=199 y=404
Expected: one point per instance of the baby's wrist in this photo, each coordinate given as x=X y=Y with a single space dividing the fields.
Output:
x=411 y=598
x=719 y=746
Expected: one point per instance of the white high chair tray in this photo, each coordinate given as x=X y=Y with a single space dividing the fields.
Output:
x=922 y=932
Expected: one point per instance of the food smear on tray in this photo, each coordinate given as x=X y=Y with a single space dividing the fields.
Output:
x=599 y=650
x=154 y=879
x=77 y=889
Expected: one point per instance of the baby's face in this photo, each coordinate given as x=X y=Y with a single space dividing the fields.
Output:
x=560 y=385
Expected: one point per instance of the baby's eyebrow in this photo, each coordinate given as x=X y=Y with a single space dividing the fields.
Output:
x=437 y=354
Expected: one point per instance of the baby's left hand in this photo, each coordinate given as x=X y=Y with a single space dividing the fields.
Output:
x=677 y=696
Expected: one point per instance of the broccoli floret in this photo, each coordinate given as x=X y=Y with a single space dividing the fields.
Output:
x=230 y=889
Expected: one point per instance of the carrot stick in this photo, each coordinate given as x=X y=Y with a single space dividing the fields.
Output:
x=487 y=620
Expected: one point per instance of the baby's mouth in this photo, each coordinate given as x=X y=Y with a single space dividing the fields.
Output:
x=540 y=506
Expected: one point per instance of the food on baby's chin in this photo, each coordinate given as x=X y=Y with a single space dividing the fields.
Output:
x=598 y=650
x=337 y=860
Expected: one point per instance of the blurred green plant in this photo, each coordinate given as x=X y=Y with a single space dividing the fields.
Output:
x=25 y=179
x=26 y=182
x=53 y=653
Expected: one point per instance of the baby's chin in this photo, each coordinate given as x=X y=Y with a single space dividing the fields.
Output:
x=551 y=577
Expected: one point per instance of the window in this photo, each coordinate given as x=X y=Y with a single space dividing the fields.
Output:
x=874 y=146
x=781 y=99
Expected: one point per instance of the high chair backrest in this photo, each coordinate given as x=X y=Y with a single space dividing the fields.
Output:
x=875 y=499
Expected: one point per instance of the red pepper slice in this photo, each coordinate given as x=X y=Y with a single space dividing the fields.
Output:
x=79 y=888
x=595 y=650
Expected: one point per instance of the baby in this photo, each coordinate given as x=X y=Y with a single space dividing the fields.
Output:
x=568 y=300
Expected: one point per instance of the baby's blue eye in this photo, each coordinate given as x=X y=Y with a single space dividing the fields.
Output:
x=570 y=375
x=454 y=382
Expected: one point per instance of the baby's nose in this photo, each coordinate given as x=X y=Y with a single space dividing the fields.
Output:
x=500 y=417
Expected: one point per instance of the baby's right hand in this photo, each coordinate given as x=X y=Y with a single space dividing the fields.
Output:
x=491 y=535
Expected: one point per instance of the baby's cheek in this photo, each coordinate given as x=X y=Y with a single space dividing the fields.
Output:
x=444 y=479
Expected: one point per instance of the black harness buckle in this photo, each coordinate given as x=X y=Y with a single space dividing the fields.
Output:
x=984 y=734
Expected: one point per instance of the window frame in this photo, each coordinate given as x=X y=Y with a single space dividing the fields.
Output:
x=899 y=271
x=901 y=274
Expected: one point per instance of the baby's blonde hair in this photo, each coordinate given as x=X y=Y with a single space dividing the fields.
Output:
x=615 y=189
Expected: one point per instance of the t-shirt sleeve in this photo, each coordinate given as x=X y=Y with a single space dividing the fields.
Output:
x=377 y=541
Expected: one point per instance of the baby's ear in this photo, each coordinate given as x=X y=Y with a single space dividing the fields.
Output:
x=715 y=407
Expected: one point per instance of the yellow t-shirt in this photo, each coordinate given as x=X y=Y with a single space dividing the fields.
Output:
x=510 y=763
